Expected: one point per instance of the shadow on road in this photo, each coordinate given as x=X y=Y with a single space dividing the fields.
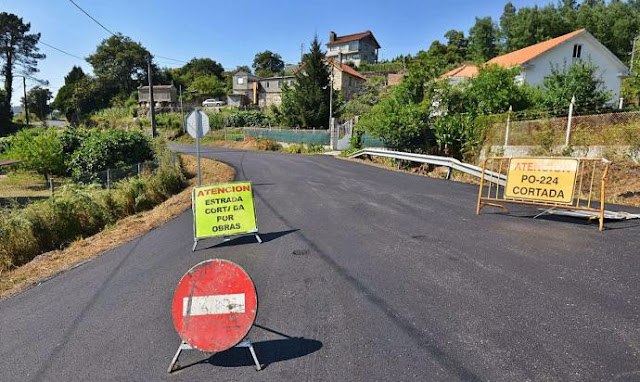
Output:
x=268 y=352
x=250 y=239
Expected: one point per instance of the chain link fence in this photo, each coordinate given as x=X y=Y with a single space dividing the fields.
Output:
x=315 y=137
x=20 y=188
x=546 y=132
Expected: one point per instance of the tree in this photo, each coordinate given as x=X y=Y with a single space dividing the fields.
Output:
x=400 y=119
x=483 y=40
x=38 y=102
x=242 y=68
x=18 y=47
x=580 y=80
x=457 y=47
x=506 y=25
x=268 y=64
x=82 y=95
x=205 y=86
x=5 y=114
x=307 y=102
x=121 y=62
x=493 y=90
x=199 y=67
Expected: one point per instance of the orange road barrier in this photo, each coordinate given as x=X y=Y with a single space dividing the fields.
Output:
x=558 y=183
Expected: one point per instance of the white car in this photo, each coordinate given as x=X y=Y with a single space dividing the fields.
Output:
x=212 y=102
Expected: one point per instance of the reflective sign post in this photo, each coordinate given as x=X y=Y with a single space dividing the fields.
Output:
x=214 y=307
x=198 y=126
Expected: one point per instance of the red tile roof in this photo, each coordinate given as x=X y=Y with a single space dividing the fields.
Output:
x=342 y=68
x=466 y=71
x=347 y=68
x=523 y=55
x=353 y=37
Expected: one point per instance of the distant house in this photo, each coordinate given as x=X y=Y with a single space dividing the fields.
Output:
x=358 y=48
x=346 y=79
x=164 y=96
x=249 y=89
x=537 y=61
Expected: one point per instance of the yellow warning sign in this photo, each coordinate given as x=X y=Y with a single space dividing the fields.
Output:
x=542 y=179
x=224 y=210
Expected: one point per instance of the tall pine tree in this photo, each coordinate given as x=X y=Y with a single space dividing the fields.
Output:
x=307 y=103
x=18 y=47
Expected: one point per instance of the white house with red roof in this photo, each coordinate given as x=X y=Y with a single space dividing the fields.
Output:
x=537 y=61
x=358 y=48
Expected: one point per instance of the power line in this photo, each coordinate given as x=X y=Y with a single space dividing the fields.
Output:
x=91 y=17
x=105 y=28
x=172 y=59
x=61 y=51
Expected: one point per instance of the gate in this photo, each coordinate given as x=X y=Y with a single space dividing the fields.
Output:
x=343 y=133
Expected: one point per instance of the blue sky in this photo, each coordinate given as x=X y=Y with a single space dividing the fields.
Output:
x=232 y=32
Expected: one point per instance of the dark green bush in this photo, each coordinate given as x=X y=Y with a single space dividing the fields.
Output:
x=109 y=149
x=250 y=118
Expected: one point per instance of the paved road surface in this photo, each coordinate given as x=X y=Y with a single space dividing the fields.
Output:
x=365 y=275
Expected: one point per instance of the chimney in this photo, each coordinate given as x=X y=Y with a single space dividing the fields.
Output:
x=332 y=36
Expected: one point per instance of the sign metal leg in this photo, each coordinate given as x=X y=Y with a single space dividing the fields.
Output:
x=195 y=244
x=258 y=238
x=246 y=343
x=183 y=346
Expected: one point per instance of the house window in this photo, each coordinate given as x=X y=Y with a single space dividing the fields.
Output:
x=577 y=51
x=266 y=84
x=240 y=80
x=353 y=46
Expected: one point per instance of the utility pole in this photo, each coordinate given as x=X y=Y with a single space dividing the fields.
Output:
x=633 y=53
x=331 y=97
x=184 y=125
x=151 y=101
x=26 y=101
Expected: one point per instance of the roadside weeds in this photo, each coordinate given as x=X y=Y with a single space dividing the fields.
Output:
x=50 y=264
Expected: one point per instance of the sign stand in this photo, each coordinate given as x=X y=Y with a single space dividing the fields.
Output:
x=246 y=343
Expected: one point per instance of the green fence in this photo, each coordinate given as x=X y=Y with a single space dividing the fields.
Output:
x=369 y=141
x=316 y=137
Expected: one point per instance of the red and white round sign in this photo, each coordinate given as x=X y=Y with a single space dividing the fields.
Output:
x=214 y=305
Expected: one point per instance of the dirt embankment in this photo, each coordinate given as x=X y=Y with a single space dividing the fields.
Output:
x=51 y=263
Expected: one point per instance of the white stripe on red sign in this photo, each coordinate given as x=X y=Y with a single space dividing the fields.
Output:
x=218 y=304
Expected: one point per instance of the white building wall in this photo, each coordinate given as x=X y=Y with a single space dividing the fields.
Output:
x=609 y=68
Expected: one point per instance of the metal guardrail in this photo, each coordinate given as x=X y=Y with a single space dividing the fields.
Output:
x=451 y=163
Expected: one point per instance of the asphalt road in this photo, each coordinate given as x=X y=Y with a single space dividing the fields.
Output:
x=365 y=275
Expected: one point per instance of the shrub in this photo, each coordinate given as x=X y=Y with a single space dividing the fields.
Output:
x=268 y=145
x=251 y=118
x=109 y=149
x=40 y=149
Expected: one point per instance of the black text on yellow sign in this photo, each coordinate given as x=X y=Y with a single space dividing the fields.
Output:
x=224 y=210
x=542 y=179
